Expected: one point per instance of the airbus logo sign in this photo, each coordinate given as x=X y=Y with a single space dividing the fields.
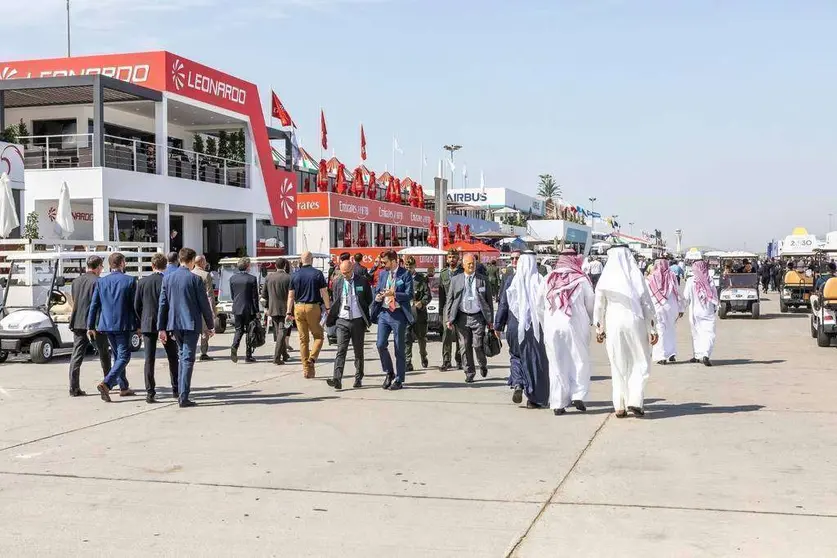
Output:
x=182 y=77
x=468 y=197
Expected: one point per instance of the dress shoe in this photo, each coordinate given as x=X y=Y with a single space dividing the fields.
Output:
x=175 y=393
x=104 y=392
x=483 y=372
x=693 y=360
x=531 y=405
x=672 y=358
x=424 y=362
x=234 y=354
x=250 y=359
x=77 y=393
x=559 y=412
x=459 y=365
x=286 y=357
x=150 y=399
x=187 y=403
x=206 y=357
x=358 y=384
x=517 y=396
x=126 y=392
x=444 y=367
x=278 y=362
x=409 y=367
x=335 y=383
x=396 y=385
x=621 y=413
x=388 y=381
x=469 y=378
x=637 y=411
x=707 y=362
x=579 y=404
x=662 y=362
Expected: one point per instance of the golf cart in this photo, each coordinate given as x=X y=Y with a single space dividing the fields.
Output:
x=739 y=293
x=434 y=316
x=35 y=315
x=796 y=290
x=824 y=300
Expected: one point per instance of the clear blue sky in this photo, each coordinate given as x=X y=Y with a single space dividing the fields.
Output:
x=716 y=117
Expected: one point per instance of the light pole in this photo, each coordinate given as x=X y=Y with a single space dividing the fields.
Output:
x=631 y=224
x=68 y=28
x=452 y=148
x=830 y=215
x=592 y=215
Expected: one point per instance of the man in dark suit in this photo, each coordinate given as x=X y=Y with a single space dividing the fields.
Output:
x=349 y=314
x=448 y=337
x=470 y=309
x=146 y=305
x=391 y=310
x=82 y=293
x=183 y=306
x=112 y=314
x=244 y=289
x=275 y=294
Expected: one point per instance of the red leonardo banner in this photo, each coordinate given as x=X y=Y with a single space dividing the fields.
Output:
x=322 y=205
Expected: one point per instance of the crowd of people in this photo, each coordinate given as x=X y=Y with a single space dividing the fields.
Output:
x=548 y=320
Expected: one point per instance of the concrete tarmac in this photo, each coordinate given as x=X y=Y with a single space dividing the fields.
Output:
x=735 y=460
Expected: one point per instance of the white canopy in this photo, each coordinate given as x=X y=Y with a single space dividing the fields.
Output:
x=421 y=251
x=64 y=217
x=8 y=213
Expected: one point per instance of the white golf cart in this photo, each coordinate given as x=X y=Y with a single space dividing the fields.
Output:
x=824 y=301
x=37 y=305
x=739 y=293
x=434 y=319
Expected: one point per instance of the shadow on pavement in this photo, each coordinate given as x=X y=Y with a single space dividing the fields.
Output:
x=251 y=397
x=479 y=383
x=740 y=361
x=792 y=315
x=685 y=409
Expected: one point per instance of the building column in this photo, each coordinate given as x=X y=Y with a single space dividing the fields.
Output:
x=161 y=134
x=2 y=111
x=249 y=157
x=252 y=235
x=193 y=232
x=101 y=220
x=163 y=229
x=98 y=122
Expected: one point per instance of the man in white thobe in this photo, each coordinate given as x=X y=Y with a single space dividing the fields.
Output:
x=624 y=318
x=566 y=306
x=665 y=293
x=702 y=298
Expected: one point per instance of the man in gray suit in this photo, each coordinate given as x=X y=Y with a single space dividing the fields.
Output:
x=275 y=294
x=349 y=315
x=470 y=309
x=82 y=293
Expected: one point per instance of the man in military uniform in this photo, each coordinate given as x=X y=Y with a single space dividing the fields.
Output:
x=494 y=278
x=448 y=336
x=418 y=330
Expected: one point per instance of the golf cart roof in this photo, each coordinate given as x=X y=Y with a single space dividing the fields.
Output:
x=269 y=259
x=29 y=256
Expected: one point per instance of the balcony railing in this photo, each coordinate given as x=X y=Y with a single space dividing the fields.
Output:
x=76 y=151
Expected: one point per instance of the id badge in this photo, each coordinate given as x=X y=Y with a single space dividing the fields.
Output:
x=346 y=308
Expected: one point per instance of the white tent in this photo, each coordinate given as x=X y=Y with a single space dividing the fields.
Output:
x=8 y=213
x=421 y=251
x=64 y=218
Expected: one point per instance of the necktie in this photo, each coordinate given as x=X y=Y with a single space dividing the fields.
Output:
x=390 y=284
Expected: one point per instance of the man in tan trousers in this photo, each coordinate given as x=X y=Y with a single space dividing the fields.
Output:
x=201 y=271
x=307 y=303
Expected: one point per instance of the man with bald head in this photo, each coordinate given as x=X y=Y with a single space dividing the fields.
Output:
x=307 y=297
x=201 y=269
x=349 y=315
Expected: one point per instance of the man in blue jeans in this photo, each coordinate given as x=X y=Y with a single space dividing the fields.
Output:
x=112 y=313
x=391 y=310
x=184 y=307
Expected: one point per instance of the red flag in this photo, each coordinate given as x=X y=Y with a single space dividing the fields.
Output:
x=280 y=112
x=323 y=131
x=362 y=143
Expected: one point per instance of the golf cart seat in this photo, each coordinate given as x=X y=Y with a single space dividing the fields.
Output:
x=61 y=312
x=829 y=292
x=795 y=279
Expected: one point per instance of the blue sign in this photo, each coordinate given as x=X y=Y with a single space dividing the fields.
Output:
x=575 y=235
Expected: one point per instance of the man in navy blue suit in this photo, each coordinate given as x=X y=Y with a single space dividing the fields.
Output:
x=112 y=313
x=183 y=306
x=392 y=312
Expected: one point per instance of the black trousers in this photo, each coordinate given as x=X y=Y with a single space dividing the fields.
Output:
x=150 y=345
x=80 y=344
x=280 y=336
x=241 y=323
x=354 y=331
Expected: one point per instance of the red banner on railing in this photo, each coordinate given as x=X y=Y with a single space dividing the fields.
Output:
x=319 y=205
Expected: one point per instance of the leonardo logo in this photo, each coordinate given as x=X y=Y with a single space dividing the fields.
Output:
x=178 y=76
x=8 y=73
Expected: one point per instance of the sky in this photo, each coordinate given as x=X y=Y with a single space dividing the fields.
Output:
x=715 y=117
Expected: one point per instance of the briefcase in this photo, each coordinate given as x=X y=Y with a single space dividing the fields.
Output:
x=491 y=345
x=256 y=333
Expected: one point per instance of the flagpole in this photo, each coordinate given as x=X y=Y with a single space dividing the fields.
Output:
x=393 y=156
x=320 y=124
x=421 y=166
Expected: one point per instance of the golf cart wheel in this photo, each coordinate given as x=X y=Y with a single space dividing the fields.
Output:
x=783 y=308
x=756 y=310
x=813 y=329
x=41 y=350
x=722 y=311
x=136 y=342
x=3 y=356
x=823 y=339
x=221 y=324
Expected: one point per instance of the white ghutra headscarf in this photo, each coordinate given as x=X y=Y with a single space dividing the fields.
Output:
x=621 y=276
x=522 y=296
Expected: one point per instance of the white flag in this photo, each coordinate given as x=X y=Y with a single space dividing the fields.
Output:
x=451 y=165
x=424 y=160
x=395 y=146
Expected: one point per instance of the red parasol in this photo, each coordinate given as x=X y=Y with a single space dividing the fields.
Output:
x=372 y=189
x=413 y=198
x=362 y=241
x=474 y=248
x=420 y=196
x=432 y=236
x=347 y=235
x=393 y=237
x=379 y=241
x=467 y=234
x=340 y=185
x=357 y=183
x=457 y=235
x=322 y=177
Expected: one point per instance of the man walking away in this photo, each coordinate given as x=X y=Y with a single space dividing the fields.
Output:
x=350 y=316
x=82 y=293
x=202 y=272
x=470 y=310
x=358 y=268
x=244 y=289
x=306 y=297
x=448 y=336
x=391 y=310
x=146 y=304
x=494 y=279
x=702 y=299
x=669 y=308
x=183 y=304
x=173 y=262
x=275 y=294
x=112 y=314
x=417 y=331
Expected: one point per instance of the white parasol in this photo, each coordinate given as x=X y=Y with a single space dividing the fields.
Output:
x=64 y=218
x=8 y=213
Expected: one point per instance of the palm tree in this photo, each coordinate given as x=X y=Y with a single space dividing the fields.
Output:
x=549 y=189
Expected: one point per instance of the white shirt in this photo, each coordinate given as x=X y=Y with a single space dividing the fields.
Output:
x=594 y=267
x=349 y=309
